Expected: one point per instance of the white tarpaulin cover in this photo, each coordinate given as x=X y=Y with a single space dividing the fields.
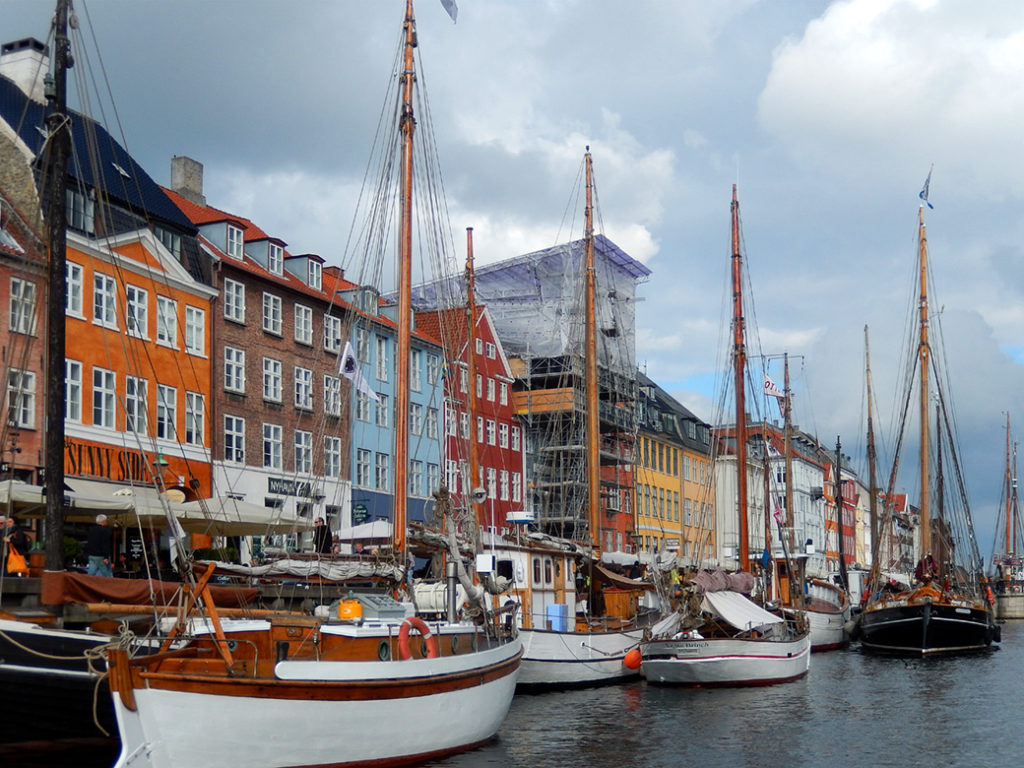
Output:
x=332 y=570
x=738 y=610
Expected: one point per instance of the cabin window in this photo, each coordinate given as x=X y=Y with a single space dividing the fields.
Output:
x=548 y=574
x=504 y=569
x=536 y=570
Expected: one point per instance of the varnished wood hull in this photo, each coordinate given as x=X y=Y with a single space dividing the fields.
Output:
x=311 y=712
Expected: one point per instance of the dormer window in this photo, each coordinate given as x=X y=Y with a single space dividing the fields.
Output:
x=234 y=242
x=315 y=274
x=275 y=258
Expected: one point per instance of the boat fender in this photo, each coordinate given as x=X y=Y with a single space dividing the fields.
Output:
x=633 y=659
x=414 y=622
x=991 y=597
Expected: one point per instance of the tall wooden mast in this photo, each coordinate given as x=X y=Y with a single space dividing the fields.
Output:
x=590 y=364
x=788 y=425
x=739 y=356
x=1009 y=492
x=407 y=126
x=58 y=126
x=872 y=480
x=474 y=456
x=923 y=355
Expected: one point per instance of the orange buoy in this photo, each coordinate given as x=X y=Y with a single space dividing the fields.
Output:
x=632 y=659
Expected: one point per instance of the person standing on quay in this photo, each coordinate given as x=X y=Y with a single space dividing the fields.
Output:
x=97 y=546
x=322 y=539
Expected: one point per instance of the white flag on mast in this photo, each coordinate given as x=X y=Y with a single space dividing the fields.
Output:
x=348 y=367
x=771 y=389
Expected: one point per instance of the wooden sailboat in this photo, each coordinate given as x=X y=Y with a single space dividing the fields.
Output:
x=592 y=649
x=355 y=688
x=1007 y=562
x=741 y=643
x=943 y=609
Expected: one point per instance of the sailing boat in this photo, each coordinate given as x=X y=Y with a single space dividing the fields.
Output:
x=719 y=636
x=311 y=691
x=1006 y=558
x=591 y=645
x=943 y=609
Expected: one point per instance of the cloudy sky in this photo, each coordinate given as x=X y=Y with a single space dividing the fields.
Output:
x=827 y=115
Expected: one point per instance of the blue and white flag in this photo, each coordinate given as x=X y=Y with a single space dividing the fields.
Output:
x=923 y=194
x=348 y=367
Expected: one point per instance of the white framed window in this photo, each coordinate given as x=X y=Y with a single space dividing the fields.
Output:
x=463 y=380
x=303 y=388
x=362 y=406
x=195 y=418
x=303 y=324
x=167 y=321
x=503 y=485
x=303 y=451
x=383 y=409
x=236 y=245
x=479 y=386
x=451 y=424
x=492 y=351
x=382 y=472
x=416 y=418
x=195 y=330
x=492 y=483
x=363 y=344
x=332 y=395
x=503 y=393
x=21 y=398
x=23 y=306
x=316 y=271
x=332 y=333
x=275 y=258
x=136 y=315
x=272 y=321
x=234 y=439
x=503 y=435
x=272 y=446
x=362 y=468
x=479 y=429
x=433 y=477
x=464 y=426
x=74 y=274
x=517 y=487
x=166 y=412
x=416 y=478
x=234 y=300
x=81 y=210
x=73 y=390
x=515 y=438
x=415 y=369
x=234 y=369
x=479 y=346
x=332 y=457
x=135 y=399
x=104 y=397
x=451 y=475
x=272 y=383
x=382 y=358
x=490 y=390
x=104 y=300
x=491 y=433
x=432 y=431
x=433 y=368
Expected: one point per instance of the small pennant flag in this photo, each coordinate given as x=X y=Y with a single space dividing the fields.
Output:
x=348 y=367
x=452 y=8
x=923 y=194
x=777 y=514
x=771 y=389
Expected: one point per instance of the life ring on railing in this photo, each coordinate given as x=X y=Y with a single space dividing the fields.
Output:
x=413 y=622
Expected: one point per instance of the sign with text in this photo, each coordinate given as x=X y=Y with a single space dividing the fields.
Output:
x=284 y=486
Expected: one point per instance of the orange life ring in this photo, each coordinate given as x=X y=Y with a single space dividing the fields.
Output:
x=414 y=622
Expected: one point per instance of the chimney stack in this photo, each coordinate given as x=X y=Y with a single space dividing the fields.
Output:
x=26 y=62
x=187 y=179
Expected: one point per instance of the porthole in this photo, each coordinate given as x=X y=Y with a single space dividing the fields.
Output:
x=455 y=644
x=384 y=651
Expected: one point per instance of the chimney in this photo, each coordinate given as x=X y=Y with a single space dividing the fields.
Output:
x=187 y=179
x=26 y=62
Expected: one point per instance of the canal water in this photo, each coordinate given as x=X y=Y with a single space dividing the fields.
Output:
x=852 y=709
